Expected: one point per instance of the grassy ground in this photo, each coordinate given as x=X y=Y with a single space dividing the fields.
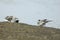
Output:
x=20 y=31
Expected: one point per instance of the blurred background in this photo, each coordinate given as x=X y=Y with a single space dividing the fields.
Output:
x=29 y=11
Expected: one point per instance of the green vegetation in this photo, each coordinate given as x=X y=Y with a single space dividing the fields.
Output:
x=21 y=31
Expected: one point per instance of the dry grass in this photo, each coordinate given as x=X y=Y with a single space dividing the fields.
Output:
x=20 y=31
